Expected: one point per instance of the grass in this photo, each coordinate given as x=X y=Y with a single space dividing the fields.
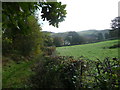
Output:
x=16 y=75
x=92 y=51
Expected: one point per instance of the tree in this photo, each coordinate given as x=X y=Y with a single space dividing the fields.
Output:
x=20 y=29
x=115 y=25
x=114 y=33
x=74 y=38
x=23 y=44
x=48 y=40
x=15 y=13
x=53 y=12
x=107 y=36
x=100 y=36
x=58 y=41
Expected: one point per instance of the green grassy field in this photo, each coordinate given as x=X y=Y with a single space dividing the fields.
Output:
x=91 y=51
x=15 y=75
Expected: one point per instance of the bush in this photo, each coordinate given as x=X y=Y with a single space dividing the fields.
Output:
x=106 y=75
x=6 y=46
x=115 y=46
x=57 y=72
x=46 y=75
x=49 y=50
x=67 y=72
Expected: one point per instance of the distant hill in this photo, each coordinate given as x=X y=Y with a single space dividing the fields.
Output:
x=90 y=32
x=84 y=37
x=81 y=33
x=63 y=35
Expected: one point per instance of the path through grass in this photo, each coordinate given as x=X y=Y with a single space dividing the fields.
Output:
x=15 y=75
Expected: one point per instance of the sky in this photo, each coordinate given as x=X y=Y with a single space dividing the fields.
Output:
x=86 y=15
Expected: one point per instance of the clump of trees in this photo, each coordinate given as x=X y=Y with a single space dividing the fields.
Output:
x=21 y=43
x=58 y=41
x=73 y=38
x=115 y=25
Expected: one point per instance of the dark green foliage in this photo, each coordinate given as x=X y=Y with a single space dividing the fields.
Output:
x=6 y=46
x=114 y=33
x=16 y=27
x=32 y=41
x=58 y=41
x=74 y=38
x=82 y=37
x=47 y=51
x=66 y=72
x=16 y=13
x=115 y=46
x=107 y=75
x=100 y=36
x=47 y=39
x=115 y=23
x=46 y=75
x=23 y=44
x=107 y=36
x=54 y=12
x=20 y=29
x=57 y=72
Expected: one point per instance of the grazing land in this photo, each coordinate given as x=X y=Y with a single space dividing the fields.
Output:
x=92 y=51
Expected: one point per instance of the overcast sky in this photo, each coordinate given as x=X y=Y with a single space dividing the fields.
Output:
x=86 y=15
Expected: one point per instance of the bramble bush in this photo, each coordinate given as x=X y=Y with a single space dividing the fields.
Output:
x=67 y=72
x=106 y=73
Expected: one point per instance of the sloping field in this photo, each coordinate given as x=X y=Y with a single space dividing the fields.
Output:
x=92 y=51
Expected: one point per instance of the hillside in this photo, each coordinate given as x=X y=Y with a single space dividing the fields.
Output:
x=90 y=32
x=93 y=51
x=82 y=33
x=82 y=37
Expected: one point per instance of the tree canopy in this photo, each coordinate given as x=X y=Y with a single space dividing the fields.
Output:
x=74 y=38
x=16 y=13
x=115 y=23
x=20 y=29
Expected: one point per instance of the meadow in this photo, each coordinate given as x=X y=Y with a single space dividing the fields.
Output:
x=92 y=51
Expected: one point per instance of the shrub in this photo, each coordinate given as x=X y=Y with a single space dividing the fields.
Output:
x=57 y=72
x=107 y=73
x=49 y=50
x=115 y=46
x=6 y=46
x=67 y=72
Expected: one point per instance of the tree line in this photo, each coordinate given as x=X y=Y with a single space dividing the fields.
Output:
x=77 y=38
